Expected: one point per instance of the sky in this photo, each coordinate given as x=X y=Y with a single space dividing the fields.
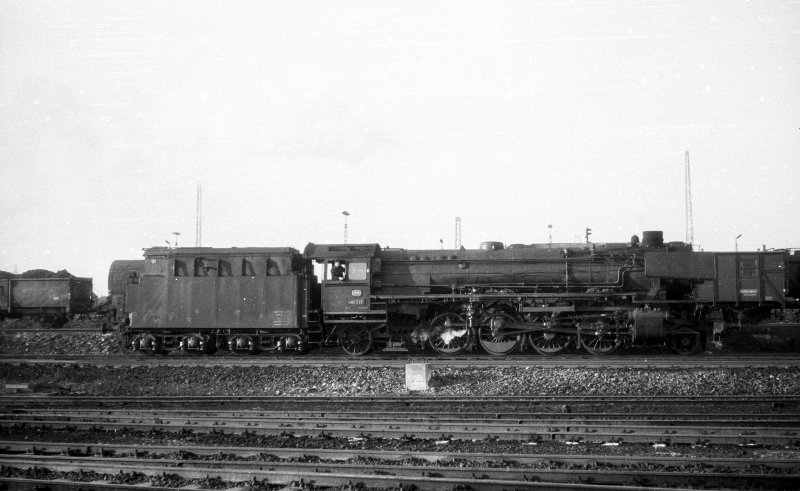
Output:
x=512 y=115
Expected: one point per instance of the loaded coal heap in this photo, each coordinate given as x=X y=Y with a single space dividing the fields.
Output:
x=37 y=273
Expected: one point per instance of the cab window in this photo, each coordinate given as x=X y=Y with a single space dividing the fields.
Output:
x=337 y=270
x=357 y=271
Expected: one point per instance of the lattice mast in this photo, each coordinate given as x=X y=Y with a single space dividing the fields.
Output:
x=346 y=214
x=688 y=194
x=458 y=233
x=198 y=226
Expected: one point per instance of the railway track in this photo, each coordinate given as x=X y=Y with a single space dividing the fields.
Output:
x=326 y=468
x=630 y=438
x=421 y=441
x=399 y=361
x=717 y=429
x=513 y=404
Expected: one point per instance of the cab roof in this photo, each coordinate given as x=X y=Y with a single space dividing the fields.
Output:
x=324 y=251
x=219 y=251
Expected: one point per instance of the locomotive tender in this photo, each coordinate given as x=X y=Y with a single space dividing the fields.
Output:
x=546 y=297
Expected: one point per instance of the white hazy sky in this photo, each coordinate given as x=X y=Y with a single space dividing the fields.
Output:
x=509 y=114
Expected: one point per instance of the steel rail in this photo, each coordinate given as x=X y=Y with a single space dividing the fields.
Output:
x=286 y=453
x=24 y=484
x=344 y=482
x=53 y=330
x=410 y=417
x=287 y=472
x=399 y=361
x=534 y=431
x=415 y=400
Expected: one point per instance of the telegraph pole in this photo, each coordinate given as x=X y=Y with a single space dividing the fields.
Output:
x=458 y=233
x=688 y=194
x=198 y=229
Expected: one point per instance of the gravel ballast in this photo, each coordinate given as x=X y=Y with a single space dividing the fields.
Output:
x=368 y=381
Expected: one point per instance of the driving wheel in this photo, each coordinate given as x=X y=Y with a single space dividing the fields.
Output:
x=492 y=337
x=449 y=334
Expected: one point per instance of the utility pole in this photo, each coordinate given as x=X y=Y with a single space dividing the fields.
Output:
x=688 y=193
x=458 y=233
x=198 y=228
x=549 y=235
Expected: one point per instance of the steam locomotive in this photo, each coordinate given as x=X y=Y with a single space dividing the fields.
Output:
x=542 y=297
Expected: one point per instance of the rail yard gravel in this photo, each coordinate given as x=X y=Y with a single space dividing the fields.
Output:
x=371 y=381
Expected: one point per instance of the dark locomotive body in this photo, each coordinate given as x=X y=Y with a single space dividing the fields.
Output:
x=542 y=297
x=205 y=299
x=548 y=297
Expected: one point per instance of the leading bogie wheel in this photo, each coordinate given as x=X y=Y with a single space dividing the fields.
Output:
x=449 y=334
x=494 y=336
x=355 y=339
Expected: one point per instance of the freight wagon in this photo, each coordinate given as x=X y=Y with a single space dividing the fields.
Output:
x=50 y=300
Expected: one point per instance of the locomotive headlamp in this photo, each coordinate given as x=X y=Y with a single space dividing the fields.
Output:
x=355 y=293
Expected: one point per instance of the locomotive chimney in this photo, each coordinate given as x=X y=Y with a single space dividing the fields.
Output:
x=652 y=238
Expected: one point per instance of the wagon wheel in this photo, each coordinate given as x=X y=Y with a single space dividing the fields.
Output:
x=449 y=334
x=549 y=343
x=492 y=338
x=600 y=341
x=355 y=339
x=685 y=341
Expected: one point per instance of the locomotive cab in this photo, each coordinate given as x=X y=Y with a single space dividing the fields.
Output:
x=346 y=283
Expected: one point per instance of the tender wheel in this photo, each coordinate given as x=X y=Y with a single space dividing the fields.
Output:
x=146 y=343
x=549 y=343
x=686 y=341
x=242 y=344
x=449 y=334
x=355 y=339
x=600 y=341
x=194 y=344
x=492 y=338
